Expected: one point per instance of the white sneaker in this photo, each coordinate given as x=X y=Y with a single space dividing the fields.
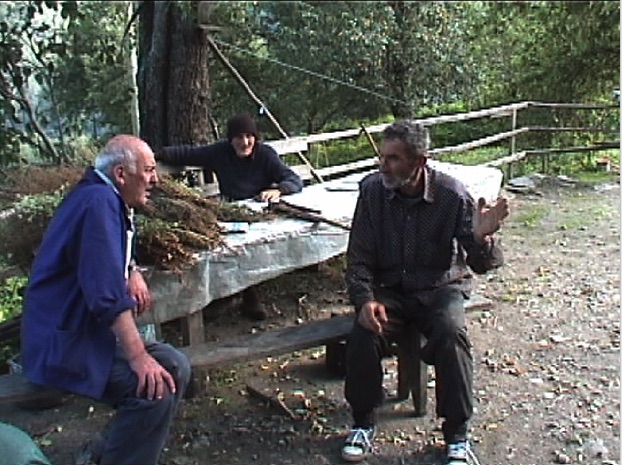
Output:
x=460 y=453
x=358 y=444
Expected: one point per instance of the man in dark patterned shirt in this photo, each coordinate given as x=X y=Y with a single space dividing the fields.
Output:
x=416 y=237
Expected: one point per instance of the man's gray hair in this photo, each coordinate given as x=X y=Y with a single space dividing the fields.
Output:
x=413 y=134
x=108 y=158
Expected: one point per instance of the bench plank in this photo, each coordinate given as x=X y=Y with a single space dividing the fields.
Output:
x=268 y=343
x=285 y=340
x=15 y=388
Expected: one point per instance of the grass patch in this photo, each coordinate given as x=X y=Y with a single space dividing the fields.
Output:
x=586 y=213
x=531 y=217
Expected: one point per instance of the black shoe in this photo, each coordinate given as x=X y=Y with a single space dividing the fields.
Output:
x=251 y=307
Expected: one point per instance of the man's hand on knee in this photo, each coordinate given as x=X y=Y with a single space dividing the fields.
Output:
x=372 y=316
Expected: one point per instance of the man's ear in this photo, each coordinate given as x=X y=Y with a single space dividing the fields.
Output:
x=119 y=174
x=421 y=161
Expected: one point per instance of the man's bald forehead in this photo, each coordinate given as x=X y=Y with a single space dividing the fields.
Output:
x=127 y=142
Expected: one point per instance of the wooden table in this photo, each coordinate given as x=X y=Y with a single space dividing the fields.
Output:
x=276 y=247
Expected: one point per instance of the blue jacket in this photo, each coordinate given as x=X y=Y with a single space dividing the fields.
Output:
x=76 y=290
x=238 y=178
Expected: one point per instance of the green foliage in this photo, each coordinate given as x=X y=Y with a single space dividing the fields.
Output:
x=61 y=70
x=550 y=51
x=427 y=60
x=316 y=66
x=295 y=45
x=27 y=52
x=11 y=296
x=92 y=85
x=22 y=232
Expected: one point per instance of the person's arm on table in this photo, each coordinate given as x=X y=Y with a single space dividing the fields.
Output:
x=286 y=180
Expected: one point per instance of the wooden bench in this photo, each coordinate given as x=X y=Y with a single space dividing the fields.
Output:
x=330 y=332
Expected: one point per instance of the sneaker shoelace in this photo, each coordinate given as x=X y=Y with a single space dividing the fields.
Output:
x=471 y=458
x=360 y=436
x=462 y=451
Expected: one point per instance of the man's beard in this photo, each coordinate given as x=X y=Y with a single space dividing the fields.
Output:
x=398 y=182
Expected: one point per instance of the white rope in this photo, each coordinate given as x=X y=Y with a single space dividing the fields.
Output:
x=312 y=73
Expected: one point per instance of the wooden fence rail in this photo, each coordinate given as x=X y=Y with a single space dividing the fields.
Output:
x=304 y=143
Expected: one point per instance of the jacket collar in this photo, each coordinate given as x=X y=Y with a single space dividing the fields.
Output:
x=429 y=176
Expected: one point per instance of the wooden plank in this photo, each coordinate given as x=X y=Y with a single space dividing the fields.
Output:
x=359 y=165
x=10 y=329
x=193 y=329
x=303 y=171
x=576 y=106
x=412 y=372
x=269 y=343
x=330 y=172
x=285 y=340
x=478 y=143
x=14 y=387
x=286 y=146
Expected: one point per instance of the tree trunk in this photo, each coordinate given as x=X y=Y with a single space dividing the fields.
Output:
x=173 y=75
x=398 y=65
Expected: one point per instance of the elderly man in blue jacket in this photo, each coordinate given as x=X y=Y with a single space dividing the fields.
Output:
x=78 y=327
x=246 y=169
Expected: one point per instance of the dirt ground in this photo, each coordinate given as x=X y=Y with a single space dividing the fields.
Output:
x=546 y=357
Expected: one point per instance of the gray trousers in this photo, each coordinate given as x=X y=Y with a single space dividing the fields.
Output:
x=139 y=430
x=448 y=348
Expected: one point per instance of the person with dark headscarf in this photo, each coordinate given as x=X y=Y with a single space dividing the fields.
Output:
x=245 y=169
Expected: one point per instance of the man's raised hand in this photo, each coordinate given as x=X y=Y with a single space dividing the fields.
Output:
x=487 y=218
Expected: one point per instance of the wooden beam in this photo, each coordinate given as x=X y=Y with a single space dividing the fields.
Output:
x=479 y=142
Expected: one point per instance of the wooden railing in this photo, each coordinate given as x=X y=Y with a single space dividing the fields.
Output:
x=303 y=144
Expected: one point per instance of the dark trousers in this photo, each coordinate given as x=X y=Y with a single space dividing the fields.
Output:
x=448 y=348
x=138 y=432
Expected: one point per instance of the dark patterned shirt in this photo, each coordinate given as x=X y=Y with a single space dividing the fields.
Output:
x=415 y=246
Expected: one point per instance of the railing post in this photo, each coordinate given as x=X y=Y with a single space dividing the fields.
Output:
x=512 y=142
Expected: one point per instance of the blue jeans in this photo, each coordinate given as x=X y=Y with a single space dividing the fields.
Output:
x=139 y=430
